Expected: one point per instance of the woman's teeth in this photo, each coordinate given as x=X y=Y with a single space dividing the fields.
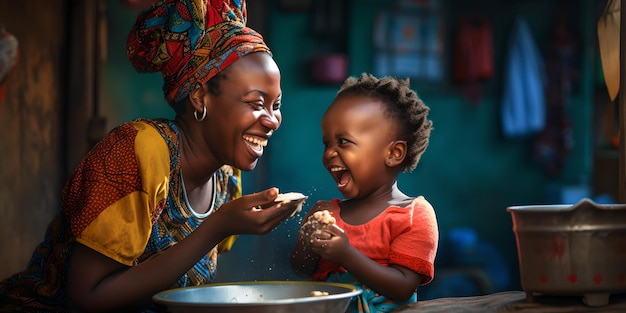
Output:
x=258 y=142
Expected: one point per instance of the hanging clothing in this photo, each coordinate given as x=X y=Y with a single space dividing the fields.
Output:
x=553 y=145
x=523 y=104
x=473 y=56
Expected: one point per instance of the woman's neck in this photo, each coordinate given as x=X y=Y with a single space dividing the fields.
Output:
x=196 y=161
x=196 y=168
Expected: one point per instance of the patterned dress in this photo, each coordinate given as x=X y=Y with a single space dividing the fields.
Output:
x=127 y=201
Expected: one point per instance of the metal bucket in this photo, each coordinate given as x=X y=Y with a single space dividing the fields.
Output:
x=577 y=250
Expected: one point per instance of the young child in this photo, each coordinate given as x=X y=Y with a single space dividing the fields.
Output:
x=381 y=240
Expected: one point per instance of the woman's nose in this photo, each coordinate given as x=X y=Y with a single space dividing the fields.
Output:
x=271 y=119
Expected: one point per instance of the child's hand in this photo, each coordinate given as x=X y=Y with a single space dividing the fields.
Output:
x=311 y=231
x=334 y=248
x=316 y=225
x=307 y=231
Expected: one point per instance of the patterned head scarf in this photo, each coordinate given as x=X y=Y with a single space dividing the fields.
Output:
x=190 y=41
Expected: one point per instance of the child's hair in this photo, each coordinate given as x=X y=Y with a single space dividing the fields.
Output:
x=402 y=105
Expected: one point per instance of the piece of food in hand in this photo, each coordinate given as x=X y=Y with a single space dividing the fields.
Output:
x=323 y=217
x=317 y=293
x=292 y=196
x=316 y=224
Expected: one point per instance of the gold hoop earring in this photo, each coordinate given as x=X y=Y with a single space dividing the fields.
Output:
x=200 y=119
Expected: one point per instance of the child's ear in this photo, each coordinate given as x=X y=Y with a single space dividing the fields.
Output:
x=397 y=153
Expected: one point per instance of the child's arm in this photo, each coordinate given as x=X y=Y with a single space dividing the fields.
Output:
x=414 y=253
x=303 y=259
x=395 y=282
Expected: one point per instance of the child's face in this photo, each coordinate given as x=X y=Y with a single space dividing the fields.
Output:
x=357 y=136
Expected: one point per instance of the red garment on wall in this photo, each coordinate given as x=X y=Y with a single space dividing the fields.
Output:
x=473 y=53
x=473 y=56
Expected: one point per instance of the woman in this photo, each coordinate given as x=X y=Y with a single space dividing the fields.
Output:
x=147 y=208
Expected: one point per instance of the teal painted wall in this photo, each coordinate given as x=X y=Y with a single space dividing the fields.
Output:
x=469 y=172
x=127 y=94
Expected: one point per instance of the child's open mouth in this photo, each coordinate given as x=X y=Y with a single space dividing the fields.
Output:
x=341 y=175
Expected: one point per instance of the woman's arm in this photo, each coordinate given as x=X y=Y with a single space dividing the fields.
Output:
x=97 y=283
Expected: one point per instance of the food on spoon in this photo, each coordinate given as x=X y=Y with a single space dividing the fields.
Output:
x=292 y=196
x=316 y=225
x=317 y=293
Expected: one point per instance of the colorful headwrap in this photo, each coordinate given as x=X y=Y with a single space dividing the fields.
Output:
x=190 y=41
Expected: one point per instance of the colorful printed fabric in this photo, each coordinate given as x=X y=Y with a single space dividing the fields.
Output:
x=125 y=200
x=405 y=236
x=190 y=41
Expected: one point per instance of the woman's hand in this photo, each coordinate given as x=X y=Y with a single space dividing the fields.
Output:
x=256 y=213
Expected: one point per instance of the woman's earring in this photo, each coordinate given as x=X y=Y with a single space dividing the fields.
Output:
x=200 y=119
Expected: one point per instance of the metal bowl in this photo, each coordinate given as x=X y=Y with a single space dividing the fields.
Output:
x=573 y=250
x=259 y=297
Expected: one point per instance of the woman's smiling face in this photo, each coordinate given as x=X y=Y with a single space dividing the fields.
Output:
x=245 y=111
x=356 y=133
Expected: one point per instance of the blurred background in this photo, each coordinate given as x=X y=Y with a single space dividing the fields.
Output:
x=520 y=109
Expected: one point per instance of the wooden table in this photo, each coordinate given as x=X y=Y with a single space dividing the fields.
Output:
x=513 y=301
